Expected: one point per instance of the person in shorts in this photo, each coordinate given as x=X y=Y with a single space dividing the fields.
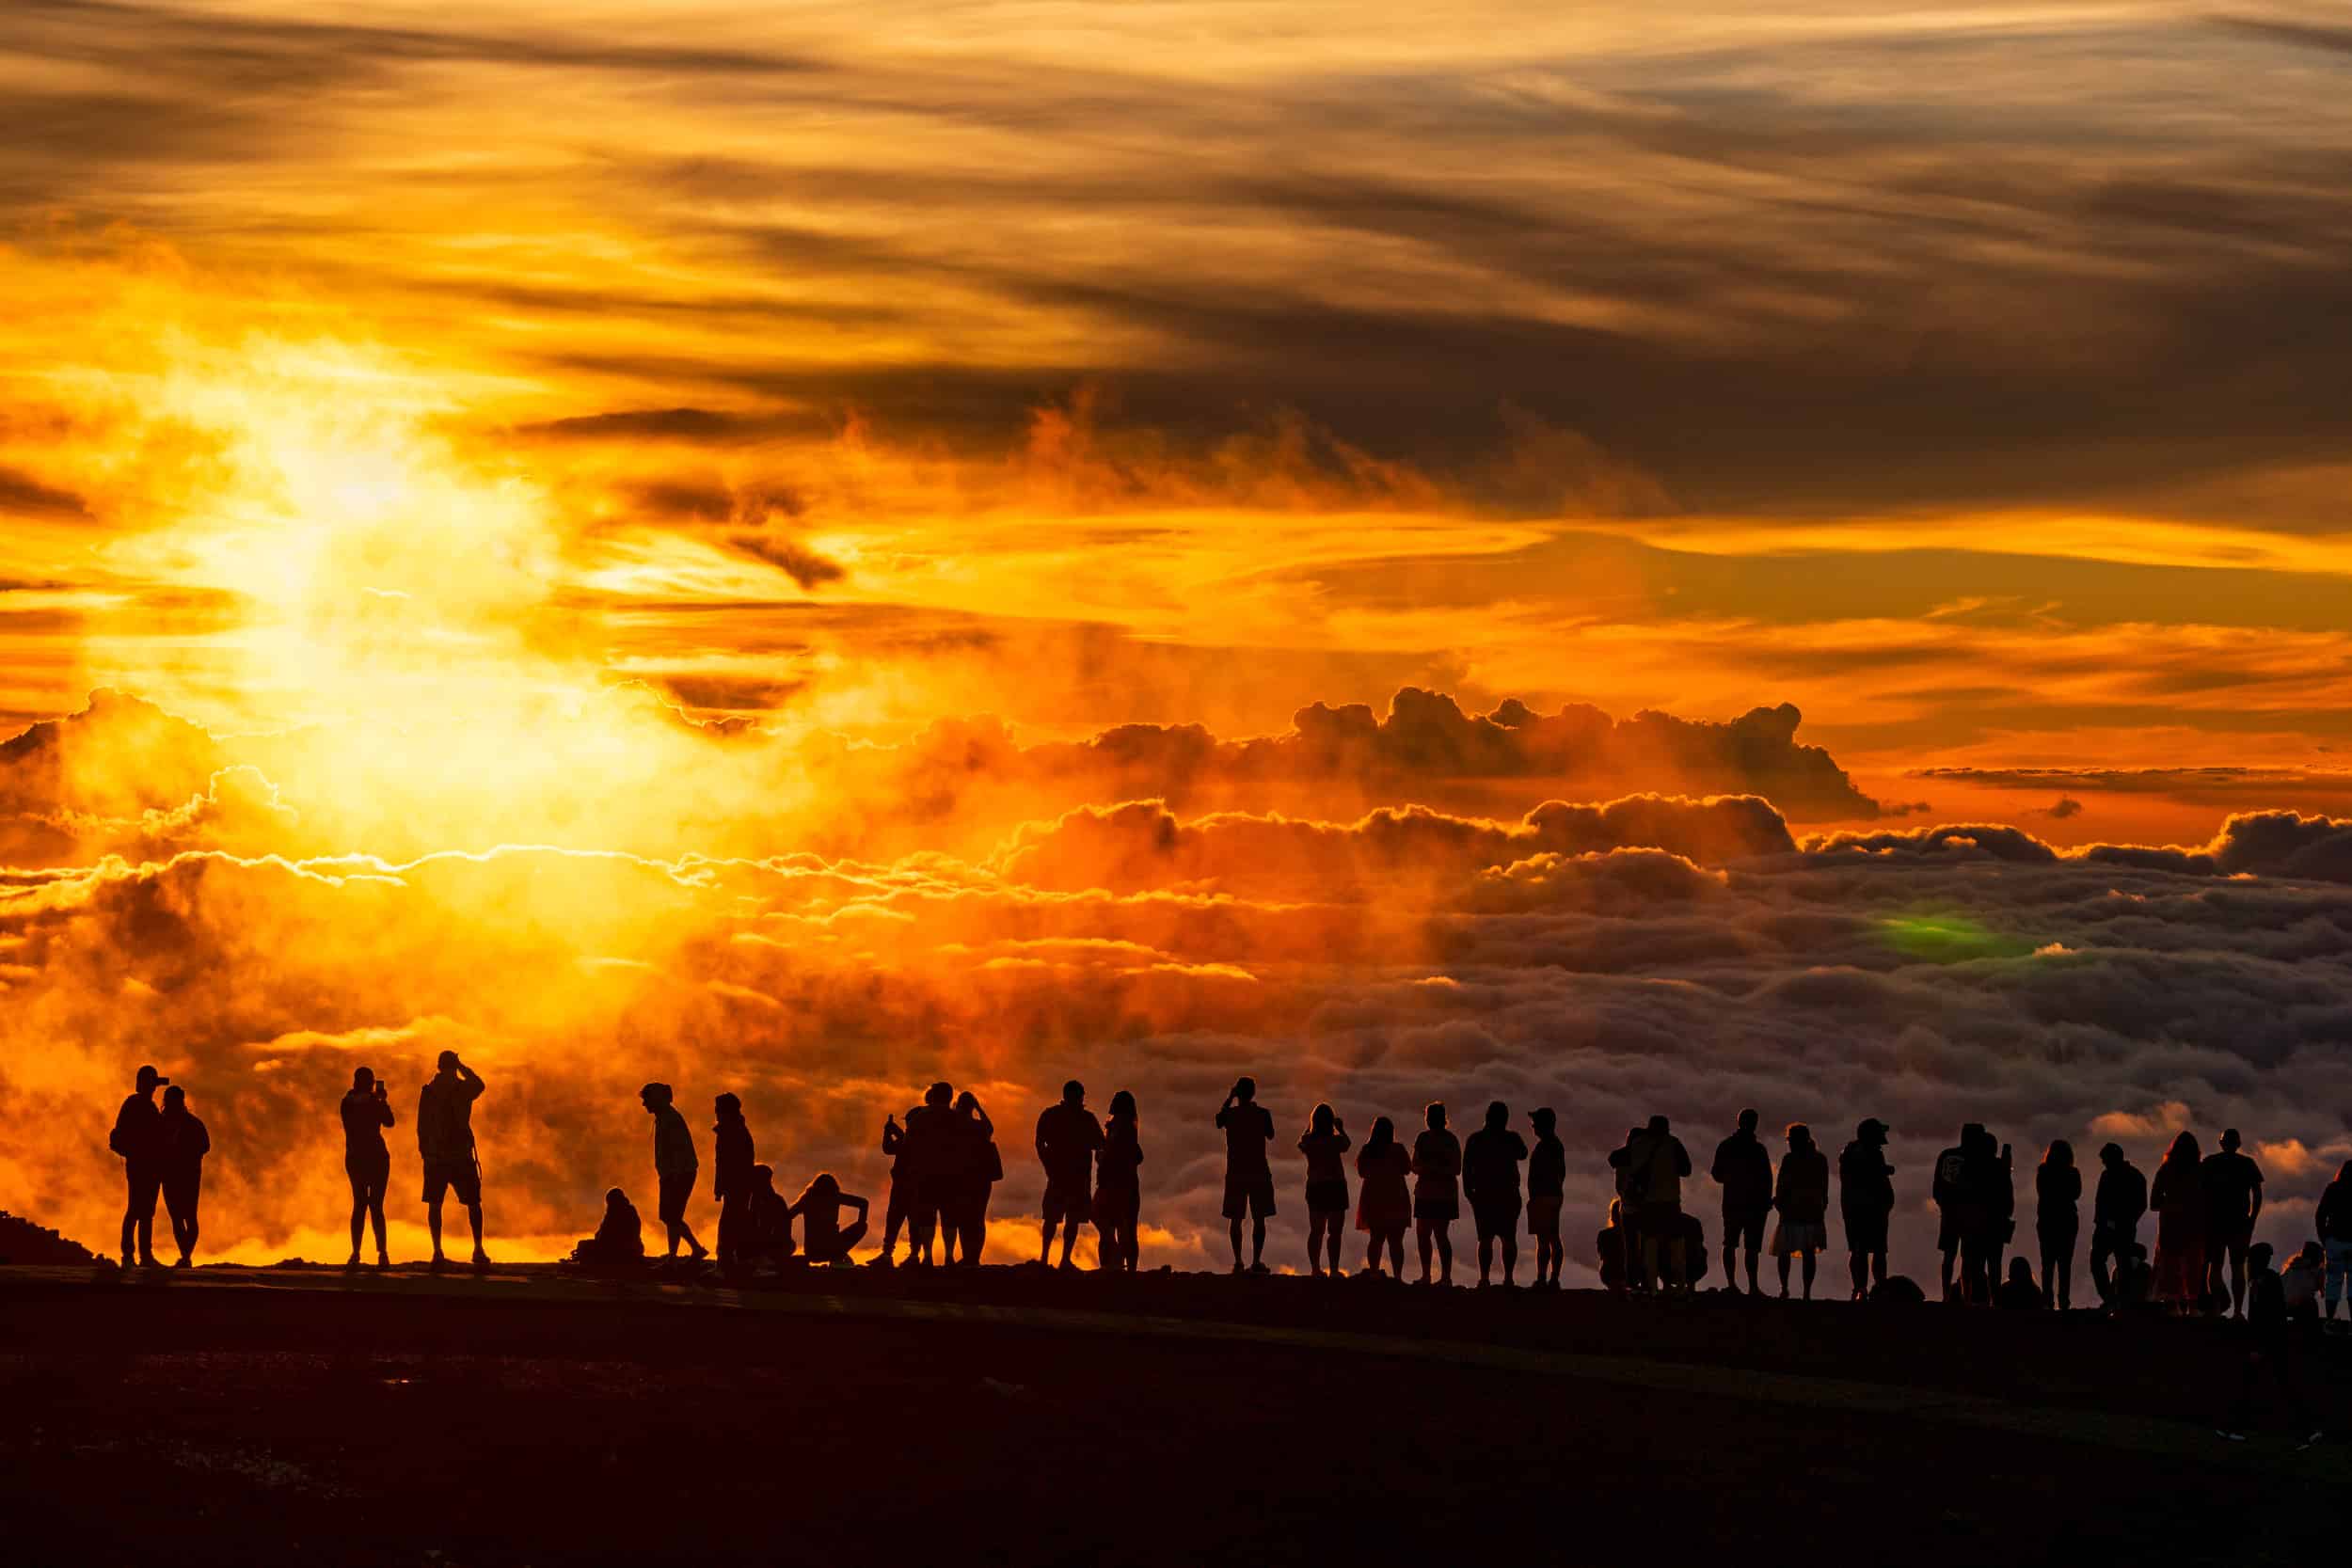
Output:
x=2234 y=1202
x=1437 y=1191
x=1866 y=1199
x=446 y=1147
x=1546 y=1179
x=1490 y=1180
x=1068 y=1137
x=1744 y=1169
x=1248 y=1128
x=1323 y=1144
x=675 y=1166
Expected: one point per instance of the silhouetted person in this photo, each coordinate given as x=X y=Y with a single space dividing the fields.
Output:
x=2300 y=1279
x=977 y=1167
x=620 y=1239
x=1067 y=1138
x=2178 y=1196
x=367 y=1164
x=136 y=1137
x=1437 y=1191
x=1656 y=1164
x=1612 y=1248
x=1801 y=1200
x=1249 y=1127
x=675 y=1166
x=1743 y=1168
x=1950 y=1189
x=2133 y=1289
x=731 y=1162
x=1866 y=1198
x=446 y=1149
x=928 y=1156
x=1324 y=1144
x=770 y=1222
x=2116 y=1207
x=898 y=1206
x=2058 y=1190
x=1490 y=1180
x=2001 y=1206
x=1118 y=1188
x=2018 y=1292
x=183 y=1143
x=2333 y=1219
x=1547 y=1181
x=2269 y=1353
x=1384 y=1203
x=1984 y=1208
x=824 y=1238
x=2232 y=1185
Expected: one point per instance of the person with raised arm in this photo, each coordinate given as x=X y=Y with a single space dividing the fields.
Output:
x=1384 y=1201
x=366 y=1111
x=1437 y=1191
x=446 y=1147
x=1324 y=1144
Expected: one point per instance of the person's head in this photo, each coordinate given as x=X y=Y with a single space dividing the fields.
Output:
x=2020 y=1272
x=2258 y=1256
x=938 y=1095
x=1435 y=1114
x=363 y=1079
x=1073 y=1093
x=728 y=1106
x=967 y=1102
x=149 y=1079
x=1244 y=1089
x=1748 y=1119
x=1871 y=1133
x=654 y=1096
x=821 y=1186
x=1657 y=1126
x=2344 y=1171
x=2183 y=1148
x=2229 y=1140
x=763 y=1178
x=2111 y=1154
x=615 y=1198
x=2060 y=1154
x=1324 y=1120
x=1799 y=1135
x=1497 y=1117
x=2313 y=1256
x=1382 y=1131
x=174 y=1098
x=1971 y=1132
x=1123 y=1106
x=447 y=1061
x=1543 y=1120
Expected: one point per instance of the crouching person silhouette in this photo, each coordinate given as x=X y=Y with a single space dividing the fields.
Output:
x=620 y=1239
x=818 y=1210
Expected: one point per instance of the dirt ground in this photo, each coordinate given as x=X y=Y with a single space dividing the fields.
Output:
x=279 y=1417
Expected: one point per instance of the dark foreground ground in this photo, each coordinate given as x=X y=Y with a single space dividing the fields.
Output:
x=256 y=1416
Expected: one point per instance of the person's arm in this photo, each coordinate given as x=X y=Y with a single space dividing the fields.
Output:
x=893 y=1138
x=423 y=1097
x=1682 y=1158
x=384 y=1109
x=1044 y=1145
x=980 y=1114
x=862 y=1206
x=1345 y=1142
x=2257 y=1212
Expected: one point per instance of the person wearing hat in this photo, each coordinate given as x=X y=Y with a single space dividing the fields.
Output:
x=138 y=1137
x=1865 y=1197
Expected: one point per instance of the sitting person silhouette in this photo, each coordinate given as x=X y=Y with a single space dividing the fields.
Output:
x=769 y=1237
x=2133 y=1288
x=818 y=1210
x=2018 y=1292
x=620 y=1238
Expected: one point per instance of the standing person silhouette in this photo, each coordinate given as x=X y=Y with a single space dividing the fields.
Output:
x=1743 y=1168
x=2178 y=1196
x=2058 y=1190
x=446 y=1147
x=1249 y=1127
x=731 y=1159
x=1546 y=1179
x=1866 y=1199
x=367 y=1164
x=1656 y=1167
x=1324 y=1144
x=1384 y=1204
x=2116 y=1208
x=899 y=1202
x=2232 y=1185
x=928 y=1156
x=1118 y=1189
x=136 y=1137
x=183 y=1143
x=1490 y=1180
x=977 y=1167
x=1801 y=1199
x=1068 y=1137
x=1437 y=1191
x=674 y=1168
x=2333 y=1219
x=1955 y=1215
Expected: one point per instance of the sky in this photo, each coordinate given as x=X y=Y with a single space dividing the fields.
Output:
x=1625 y=558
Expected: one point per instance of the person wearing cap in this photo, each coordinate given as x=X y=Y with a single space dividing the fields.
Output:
x=138 y=1137
x=675 y=1166
x=445 y=1142
x=1866 y=1198
x=183 y=1143
x=367 y=1164
x=2116 y=1209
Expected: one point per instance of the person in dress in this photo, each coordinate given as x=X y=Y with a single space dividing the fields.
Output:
x=2178 y=1196
x=1801 y=1201
x=1384 y=1201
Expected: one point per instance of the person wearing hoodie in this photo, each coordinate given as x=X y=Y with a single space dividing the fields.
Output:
x=1866 y=1199
x=731 y=1180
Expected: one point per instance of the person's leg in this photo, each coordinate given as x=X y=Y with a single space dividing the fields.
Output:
x=1421 y=1234
x=894 y=1216
x=433 y=1226
x=1649 y=1262
x=1944 y=1273
x=1068 y=1238
x=2102 y=1249
x=1232 y=1230
x=375 y=1216
x=1445 y=1252
x=1753 y=1252
x=473 y=1218
x=1877 y=1270
x=1331 y=1234
x=1784 y=1277
x=851 y=1234
x=2237 y=1276
x=1857 y=1266
x=1812 y=1260
x=2066 y=1275
x=1257 y=1241
x=1045 y=1239
x=1314 y=1242
x=1510 y=1254
x=1485 y=1255
x=358 y=1213
x=148 y=1189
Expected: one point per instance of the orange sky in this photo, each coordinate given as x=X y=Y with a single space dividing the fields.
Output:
x=664 y=431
